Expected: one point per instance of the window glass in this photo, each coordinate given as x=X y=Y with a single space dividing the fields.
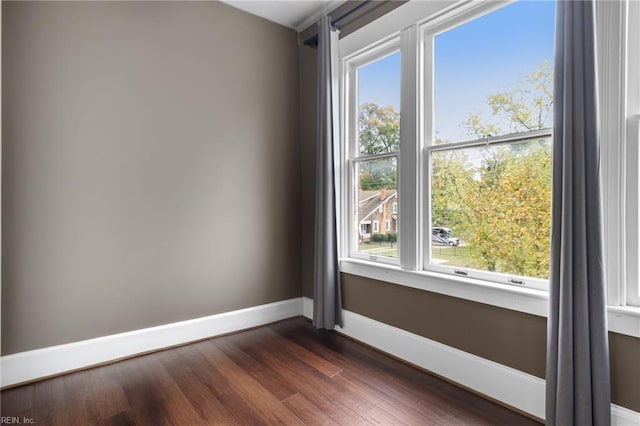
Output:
x=379 y=106
x=377 y=193
x=375 y=162
x=491 y=208
x=490 y=201
x=493 y=75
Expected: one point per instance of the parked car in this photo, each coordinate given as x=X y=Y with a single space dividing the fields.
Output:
x=443 y=236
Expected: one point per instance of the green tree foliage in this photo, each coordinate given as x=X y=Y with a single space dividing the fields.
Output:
x=453 y=179
x=379 y=129
x=499 y=201
x=372 y=177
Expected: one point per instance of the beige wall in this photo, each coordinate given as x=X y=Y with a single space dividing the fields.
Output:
x=150 y=166
x=511 y=338
x=308 y=78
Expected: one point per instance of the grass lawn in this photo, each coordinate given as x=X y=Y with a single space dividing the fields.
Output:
x=453 y=256
x=384 y=248
x=444 y=255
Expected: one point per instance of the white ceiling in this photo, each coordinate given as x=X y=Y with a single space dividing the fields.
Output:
x=296 y=14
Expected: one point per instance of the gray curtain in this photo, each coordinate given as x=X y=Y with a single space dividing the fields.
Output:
x=578 y=390
x=327 y=302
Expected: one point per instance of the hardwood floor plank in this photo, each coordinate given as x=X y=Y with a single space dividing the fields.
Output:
x=201 y=397
x=49 y=402
x=110 y=398
x=153 y=395
x=310 y=381
x=267 y=405
x=282 y=373
x=310 y=358
x=124 y=418
x=308 y=412
x=260 y=372
x=377 y=369
x=427 y=403
x=16 y=400
x=307 y=381
x=236 y=407
x=80 y=398
x=394 y=407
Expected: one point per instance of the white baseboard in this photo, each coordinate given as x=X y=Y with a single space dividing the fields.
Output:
x=505 y=384
x=40 y=363
x=510 y=386
x=307 y=305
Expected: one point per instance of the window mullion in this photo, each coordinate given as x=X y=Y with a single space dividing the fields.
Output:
x=633 y=155
x=610 y=22
x=409 y=206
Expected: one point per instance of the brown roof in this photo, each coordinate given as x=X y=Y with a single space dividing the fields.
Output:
x=368 y=201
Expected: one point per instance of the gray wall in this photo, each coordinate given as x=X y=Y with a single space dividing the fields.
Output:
x=150 y=166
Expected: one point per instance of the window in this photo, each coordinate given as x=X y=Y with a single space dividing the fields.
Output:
x=477 y=133
x=488 y=144
x=373 y=154
x=469 y=179
x=387 y=225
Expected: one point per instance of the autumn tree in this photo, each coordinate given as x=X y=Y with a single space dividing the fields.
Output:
x=510 y=210
x=499 y=202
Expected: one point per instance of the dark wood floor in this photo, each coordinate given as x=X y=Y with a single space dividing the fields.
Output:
x=283 y=373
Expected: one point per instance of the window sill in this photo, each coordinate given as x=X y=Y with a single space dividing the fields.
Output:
x=623 y=320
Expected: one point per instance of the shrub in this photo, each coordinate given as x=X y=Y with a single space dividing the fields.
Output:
x=377 y=238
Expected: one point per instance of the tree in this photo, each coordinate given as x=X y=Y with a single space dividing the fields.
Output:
x=452 y=178
x=526 y=107
x=499 y=201
x=510 y=207
x=379 y=129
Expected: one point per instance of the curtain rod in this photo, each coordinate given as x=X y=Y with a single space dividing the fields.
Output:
x=313 y=40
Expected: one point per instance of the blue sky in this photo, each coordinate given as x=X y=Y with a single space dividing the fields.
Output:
x=472 y=61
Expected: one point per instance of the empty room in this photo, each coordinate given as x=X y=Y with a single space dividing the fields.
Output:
x=420 y=212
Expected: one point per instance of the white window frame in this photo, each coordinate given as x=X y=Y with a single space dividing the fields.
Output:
x=405 y=23
x=350 y=147
x=618 y=58
x=430 y=31
x=387 y=225
x=630 y=18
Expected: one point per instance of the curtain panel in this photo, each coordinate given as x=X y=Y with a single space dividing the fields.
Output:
x=577 y=379
x=327 y=301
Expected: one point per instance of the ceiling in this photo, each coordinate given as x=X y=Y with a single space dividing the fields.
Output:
x=296 y=14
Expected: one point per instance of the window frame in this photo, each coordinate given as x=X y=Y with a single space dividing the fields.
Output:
x=497 y=277
x=632 y=143
x=407 y=23
x=350 y=146
x=429 y=31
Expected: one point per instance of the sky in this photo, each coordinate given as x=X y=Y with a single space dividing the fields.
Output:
x=472 y=61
